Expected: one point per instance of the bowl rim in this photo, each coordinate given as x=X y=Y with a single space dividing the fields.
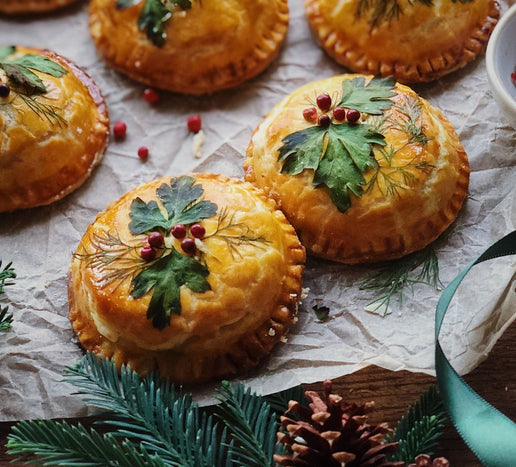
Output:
x=491 y=66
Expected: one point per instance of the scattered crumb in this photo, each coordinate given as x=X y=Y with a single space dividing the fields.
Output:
x=272 y=332
x=198 y=143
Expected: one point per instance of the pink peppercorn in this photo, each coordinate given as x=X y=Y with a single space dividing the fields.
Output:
x=119 y=129
x=151 y=95
x=194 y=123
x=143 y=153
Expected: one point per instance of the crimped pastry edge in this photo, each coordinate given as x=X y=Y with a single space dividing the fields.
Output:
x=219 y=79
x=431 y=69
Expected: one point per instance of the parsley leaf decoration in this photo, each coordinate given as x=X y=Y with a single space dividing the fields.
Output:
x=340 y=153
x=166 y=276
x=19 y=72
x=153 y=17
x=373 y=98
x=182 y=203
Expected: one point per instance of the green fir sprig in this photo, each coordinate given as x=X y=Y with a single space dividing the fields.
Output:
x=420 y=429
x=420 y=267
x=148 y=422
x=6 y=318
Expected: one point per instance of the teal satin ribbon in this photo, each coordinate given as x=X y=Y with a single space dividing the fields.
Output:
x=489 y=434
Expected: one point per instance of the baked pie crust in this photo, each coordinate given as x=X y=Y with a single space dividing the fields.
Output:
x=419 y=42
x=45 y=155
x=255 y=286
x=25 y=7
x=214 y=45
x=413 y=195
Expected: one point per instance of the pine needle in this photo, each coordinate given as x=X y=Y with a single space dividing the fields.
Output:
x=251 y=425
x=6 y=318
x=419 y=430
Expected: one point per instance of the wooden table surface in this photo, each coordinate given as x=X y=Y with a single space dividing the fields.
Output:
x=494 y=379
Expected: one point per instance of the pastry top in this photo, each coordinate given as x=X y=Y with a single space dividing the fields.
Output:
x=207 y=46
x=186 y=304
x=54 y=127
x=26 y=7
x=367 y=191
x=413 y=41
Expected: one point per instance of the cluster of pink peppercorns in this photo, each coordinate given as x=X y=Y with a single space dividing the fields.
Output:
x=156 y=240
x=324 y=103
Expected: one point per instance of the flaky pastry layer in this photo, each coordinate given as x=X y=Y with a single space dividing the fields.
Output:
x=217 y=44
x=254 y=290
x=46 y=154
x=414 y=195
x=422 y=42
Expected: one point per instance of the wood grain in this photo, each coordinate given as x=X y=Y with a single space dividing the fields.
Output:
x=393 y=392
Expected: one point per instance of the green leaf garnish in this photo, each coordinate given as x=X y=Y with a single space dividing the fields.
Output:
x=6 y=318
x=339 y=154
x=166 y=276
x=19 y=71
x=153 y=17
x=373 y=98
x=6 y=51
x=182 y=203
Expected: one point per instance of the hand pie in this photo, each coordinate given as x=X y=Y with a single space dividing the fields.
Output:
x=191 y=46
x=412 y=41
x=363 y=168
x=197 y=277
x=25 y=7
x=54 y=127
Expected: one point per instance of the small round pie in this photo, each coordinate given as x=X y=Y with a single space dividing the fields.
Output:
x=195 y=276
x=54 y=127
x=363 y=168
x=25 y=7
x=412 y=41
x=191 y=46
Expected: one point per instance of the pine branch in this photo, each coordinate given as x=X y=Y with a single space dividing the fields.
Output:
x=419 y=430
x=251 y=425
x=148 y=410
x=59 y=443
x=6 y=318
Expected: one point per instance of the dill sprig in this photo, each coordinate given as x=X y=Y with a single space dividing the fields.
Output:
x=420 y=267
x=391 y=178
x=383 y=10
x=113 y=257
x=44 y=111
x=6 y=318
x=226 y=223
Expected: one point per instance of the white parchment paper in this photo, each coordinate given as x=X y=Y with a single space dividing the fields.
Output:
x=40 y=242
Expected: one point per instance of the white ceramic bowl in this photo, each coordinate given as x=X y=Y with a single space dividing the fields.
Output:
x=501 y=62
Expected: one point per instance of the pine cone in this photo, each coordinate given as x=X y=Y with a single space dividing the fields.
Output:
x=333 y=433
x=424 y=460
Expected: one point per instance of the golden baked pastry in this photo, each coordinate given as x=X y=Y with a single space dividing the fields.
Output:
x=412 y=41
x=25 y=7
x=54 y=127
x=197 y=47
x=195 y=276
x=363 y=168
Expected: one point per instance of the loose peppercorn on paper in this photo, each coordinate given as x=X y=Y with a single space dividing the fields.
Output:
x=40 y=242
